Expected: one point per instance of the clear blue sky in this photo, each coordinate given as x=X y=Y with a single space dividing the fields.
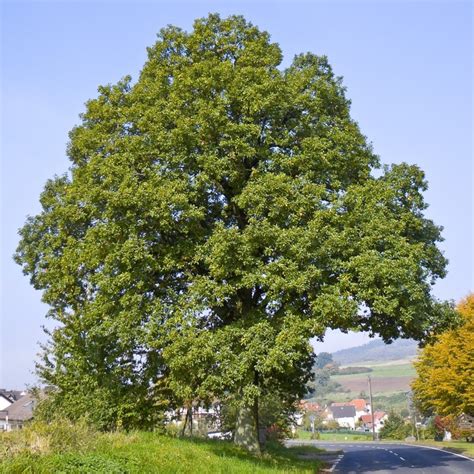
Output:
x=407 y=67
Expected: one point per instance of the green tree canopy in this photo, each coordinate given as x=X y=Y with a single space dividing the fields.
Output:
x=218 y=213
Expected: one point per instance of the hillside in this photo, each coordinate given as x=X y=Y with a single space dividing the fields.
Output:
x=377 y=351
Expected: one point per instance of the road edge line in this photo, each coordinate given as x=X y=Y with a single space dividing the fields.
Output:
x=338 y=460
x=438 y=449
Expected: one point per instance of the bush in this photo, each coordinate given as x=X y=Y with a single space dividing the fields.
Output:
x=39 y=437
x=395 y=427
x=332 y=425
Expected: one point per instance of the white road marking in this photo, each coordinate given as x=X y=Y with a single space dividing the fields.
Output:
x=336 y=463
x=403 y=459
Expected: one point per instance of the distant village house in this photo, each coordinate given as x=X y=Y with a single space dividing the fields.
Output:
x=15 y=412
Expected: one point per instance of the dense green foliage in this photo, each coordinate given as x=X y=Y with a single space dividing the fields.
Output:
x=395 y=427
x=393 y=401
x=218 y=213
x=31 y=451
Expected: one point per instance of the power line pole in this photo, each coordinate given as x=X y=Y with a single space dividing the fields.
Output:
x=371 y=407
x=412 y=414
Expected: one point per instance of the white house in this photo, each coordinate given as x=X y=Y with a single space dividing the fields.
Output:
x=345 y=415
x=15 y=415
x=379 y=419
x=4 y=401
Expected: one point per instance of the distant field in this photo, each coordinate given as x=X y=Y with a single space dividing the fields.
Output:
x=392 y=370
x=371 y=363
x=386 y=378
x=379 y=385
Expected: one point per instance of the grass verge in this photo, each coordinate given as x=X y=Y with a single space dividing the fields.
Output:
x=356 y=436
x=458 y=447
x=142 y=452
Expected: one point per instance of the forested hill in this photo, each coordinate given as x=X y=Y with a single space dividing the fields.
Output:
x=377 y=351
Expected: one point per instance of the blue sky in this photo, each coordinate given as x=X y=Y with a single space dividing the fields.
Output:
x=407 y=67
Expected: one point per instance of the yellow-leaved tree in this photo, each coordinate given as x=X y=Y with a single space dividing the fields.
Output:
x=445 y=369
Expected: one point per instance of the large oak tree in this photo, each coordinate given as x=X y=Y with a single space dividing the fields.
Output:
x=218 y=213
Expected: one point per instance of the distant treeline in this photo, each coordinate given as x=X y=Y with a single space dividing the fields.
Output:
x=353 y=370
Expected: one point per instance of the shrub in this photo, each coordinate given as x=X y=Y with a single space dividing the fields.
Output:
x=395 y=427
x=39 y=437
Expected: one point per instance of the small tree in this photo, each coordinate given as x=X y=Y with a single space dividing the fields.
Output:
x=395 y=427
x=445 y=369
x=322 y=360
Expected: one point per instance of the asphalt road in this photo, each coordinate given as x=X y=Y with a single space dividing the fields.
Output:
x=382 y=458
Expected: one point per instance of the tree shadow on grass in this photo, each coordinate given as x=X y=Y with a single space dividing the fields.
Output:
x=274 y=456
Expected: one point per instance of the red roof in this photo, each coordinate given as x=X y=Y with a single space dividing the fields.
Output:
x=378 y=415
x=310 y=406
x=359 y=404
x=366 y=418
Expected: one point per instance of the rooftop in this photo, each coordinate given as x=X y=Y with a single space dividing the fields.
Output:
x=21 y=410
x=347 y=411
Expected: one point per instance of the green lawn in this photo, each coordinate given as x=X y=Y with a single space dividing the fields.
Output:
x=152 y=453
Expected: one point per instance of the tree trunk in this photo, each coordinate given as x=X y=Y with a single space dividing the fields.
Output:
x=246 y=430
x=188 y=422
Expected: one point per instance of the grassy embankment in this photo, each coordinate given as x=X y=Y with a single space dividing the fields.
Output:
x=46 y=451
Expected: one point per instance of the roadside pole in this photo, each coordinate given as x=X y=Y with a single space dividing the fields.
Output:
x=371 y=407
x=412 y=414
